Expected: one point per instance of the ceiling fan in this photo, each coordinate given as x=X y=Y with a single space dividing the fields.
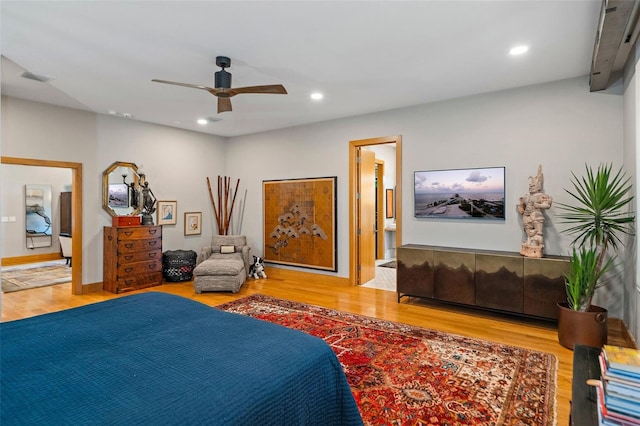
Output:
x=223 y=90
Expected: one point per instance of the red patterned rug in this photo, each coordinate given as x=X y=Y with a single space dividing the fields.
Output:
x=406 y=375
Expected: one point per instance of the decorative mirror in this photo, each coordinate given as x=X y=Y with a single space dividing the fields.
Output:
x=38 y=215
x=120 y=189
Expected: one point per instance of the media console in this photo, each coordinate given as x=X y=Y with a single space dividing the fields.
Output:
x=495 y=280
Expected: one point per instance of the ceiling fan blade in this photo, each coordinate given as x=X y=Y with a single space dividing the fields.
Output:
x=223 y=94
x=194 y=86
x=224 y=104
x=275 y=89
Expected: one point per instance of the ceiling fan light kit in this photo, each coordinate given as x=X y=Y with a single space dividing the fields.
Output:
x=223 y=90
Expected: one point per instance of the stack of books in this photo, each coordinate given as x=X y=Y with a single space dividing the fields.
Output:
x=619 y=388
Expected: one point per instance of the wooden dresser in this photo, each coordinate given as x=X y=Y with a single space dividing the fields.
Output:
x=132 y=257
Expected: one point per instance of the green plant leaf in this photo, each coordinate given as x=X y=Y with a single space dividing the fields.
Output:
x=597 y=218
x=582 y=279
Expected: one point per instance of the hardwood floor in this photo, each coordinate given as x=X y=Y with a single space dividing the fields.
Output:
x=335 y=293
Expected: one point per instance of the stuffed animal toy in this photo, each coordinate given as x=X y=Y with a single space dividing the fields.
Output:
x=256 y=270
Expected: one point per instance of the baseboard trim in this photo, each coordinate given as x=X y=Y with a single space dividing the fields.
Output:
x=273 y=274
x=617 y=331
x=92 y=288
x=291 y=274
x=32 y=258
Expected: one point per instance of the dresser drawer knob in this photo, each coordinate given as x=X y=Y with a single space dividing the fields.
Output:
x=153 y=243
x=128 y=270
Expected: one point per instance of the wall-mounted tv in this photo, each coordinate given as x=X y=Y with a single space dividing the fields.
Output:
x=476 y=193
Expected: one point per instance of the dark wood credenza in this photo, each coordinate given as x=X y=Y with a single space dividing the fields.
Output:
x=494 y=280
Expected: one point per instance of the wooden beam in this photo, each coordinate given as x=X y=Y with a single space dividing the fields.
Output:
x=617 y=21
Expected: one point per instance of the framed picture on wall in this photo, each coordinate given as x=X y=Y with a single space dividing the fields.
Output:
x=300 y=222
x=167 y=211
x=192 y=223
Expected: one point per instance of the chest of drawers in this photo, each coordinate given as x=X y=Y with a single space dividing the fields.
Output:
x=132 y=257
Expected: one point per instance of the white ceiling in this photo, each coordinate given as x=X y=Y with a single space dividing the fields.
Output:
x=365 y=56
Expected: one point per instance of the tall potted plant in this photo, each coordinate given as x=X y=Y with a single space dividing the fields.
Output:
x=598 y=219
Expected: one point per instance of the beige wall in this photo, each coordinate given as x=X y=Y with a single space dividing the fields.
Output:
x=630 y=298
x=176 y=161
x=560 y=125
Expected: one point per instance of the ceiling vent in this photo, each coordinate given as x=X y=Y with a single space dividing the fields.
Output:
x=617 y=34
x=36 y=77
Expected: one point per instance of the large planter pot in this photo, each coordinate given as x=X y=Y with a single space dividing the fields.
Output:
x=585 y=328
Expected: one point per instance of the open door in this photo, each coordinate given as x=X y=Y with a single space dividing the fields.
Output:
x=76 y=212
x=366 y=215
x=380 y=210
x=355 y=256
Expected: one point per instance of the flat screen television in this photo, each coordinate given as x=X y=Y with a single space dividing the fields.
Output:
x=476 y=193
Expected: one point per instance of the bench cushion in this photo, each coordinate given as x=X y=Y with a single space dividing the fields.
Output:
x=220 y=265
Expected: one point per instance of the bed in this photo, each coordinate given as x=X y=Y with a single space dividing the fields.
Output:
x=161 y=359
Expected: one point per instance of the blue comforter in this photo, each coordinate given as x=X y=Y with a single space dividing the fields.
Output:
x=160 y=359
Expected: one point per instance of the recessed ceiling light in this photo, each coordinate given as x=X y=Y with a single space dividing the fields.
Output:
x=202 y=121
x=518 y=50
x=316 y=96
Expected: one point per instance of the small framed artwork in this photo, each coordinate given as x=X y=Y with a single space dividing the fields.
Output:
x=193 y=223
x=167 y=211
x=389 y=204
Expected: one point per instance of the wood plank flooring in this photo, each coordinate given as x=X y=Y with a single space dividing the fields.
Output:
x=335 y=293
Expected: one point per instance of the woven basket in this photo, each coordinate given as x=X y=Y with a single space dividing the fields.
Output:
x=178 y=265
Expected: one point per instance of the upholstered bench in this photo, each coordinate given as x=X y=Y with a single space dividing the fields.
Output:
x=223 y=265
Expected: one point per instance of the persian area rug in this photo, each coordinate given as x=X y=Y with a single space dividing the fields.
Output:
x=405 y=375
x=24 y=277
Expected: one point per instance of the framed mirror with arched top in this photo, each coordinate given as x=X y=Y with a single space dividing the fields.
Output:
x=120 y=189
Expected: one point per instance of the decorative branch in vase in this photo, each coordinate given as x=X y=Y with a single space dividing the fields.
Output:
x=223 y=210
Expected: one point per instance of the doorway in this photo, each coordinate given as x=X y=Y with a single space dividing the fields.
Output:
x=76 y=210
x=360 y=238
